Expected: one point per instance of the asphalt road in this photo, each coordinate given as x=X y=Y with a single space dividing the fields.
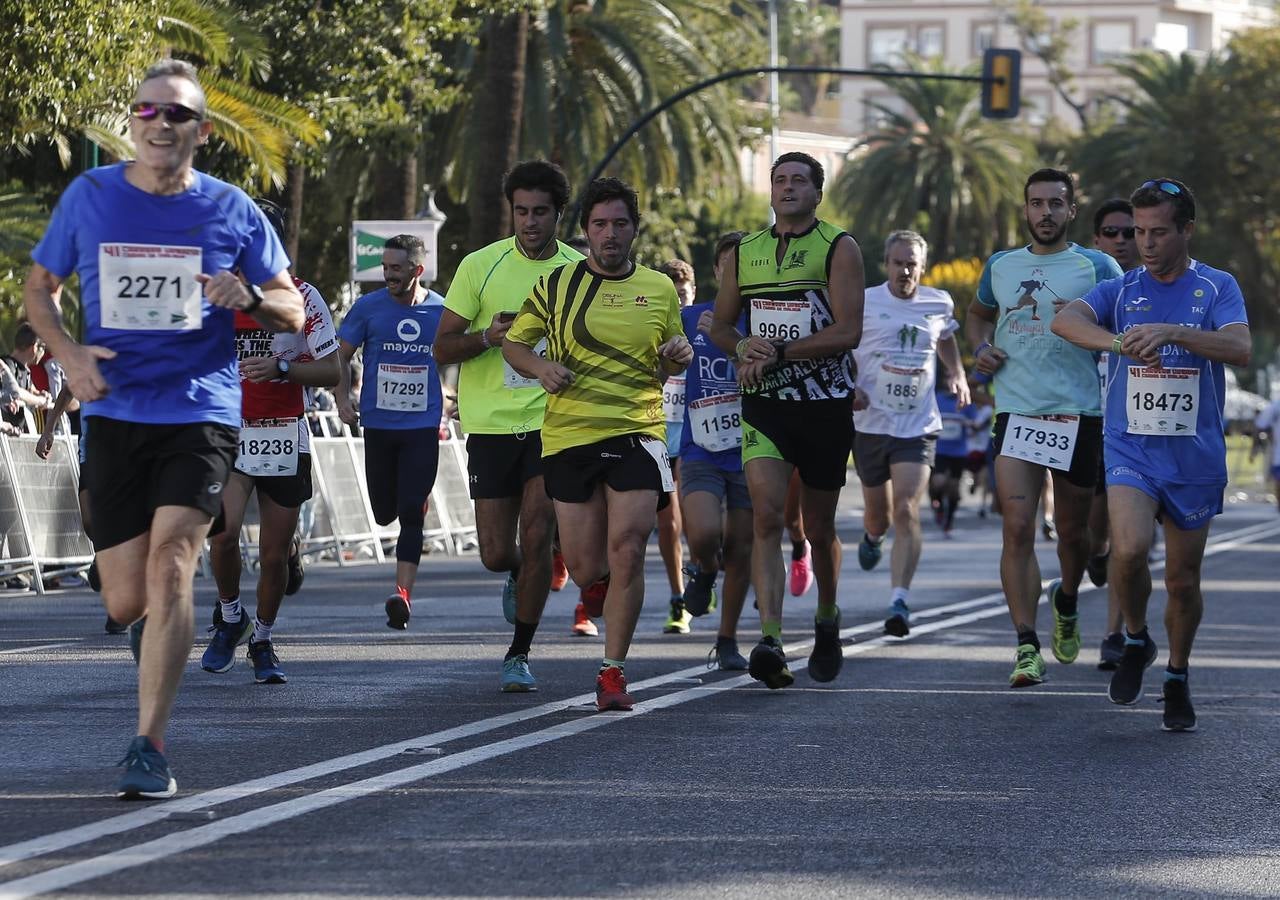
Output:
x=390 y=764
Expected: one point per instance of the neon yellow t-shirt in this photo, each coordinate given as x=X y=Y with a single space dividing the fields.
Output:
x=607 y=332
x=492 y=397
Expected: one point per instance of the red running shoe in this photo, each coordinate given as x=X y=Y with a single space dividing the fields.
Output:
x=593 y=595
x=583 y=626
x=559 y=572
x=611 y=690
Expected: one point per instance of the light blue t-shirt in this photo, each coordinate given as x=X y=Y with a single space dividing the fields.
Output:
x=1204 y=298
x=1044 y=374
x=138 y=252
x=401 y=387
x=711 y=417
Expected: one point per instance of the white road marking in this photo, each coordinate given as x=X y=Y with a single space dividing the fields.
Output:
x=141 y=854
x=33 y=649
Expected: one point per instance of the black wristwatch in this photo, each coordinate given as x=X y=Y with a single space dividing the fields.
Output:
x=258 y=297
x=282 y=366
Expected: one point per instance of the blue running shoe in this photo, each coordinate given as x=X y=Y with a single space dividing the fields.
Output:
x=221 y=653
x=509 y=599
x=899 y=622
x=869 y=552
x=135 y=638
x=725 y=656
x=266 y=665
x=516 y=677
x=146 y=773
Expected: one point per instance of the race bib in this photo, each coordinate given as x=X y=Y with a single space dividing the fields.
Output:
x=149 y=287
x=898 y=388
x=402 y=388
x=513 y=379
x=1163 y=402
x=952 y=429
x=268 y=447
x=658 y=450
x=1043 y=440
x=673 y=399
x=717 y=422
x=781 y=320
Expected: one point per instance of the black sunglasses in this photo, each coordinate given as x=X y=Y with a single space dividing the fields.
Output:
x=1167 y=186
x=175 y=113
x=1114 y=230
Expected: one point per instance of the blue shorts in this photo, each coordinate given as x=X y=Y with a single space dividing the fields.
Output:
x=1188 y=507
x=702 y=475
x=675 y=431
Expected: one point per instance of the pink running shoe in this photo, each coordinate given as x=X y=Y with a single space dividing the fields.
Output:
x=802 y=573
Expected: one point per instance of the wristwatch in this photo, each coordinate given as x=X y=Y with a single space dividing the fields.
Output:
x=282 y=366
x=258 y=297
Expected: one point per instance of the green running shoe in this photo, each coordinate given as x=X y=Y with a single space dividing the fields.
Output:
x=1066 y=629
x=679 y=619
x=1029 y=668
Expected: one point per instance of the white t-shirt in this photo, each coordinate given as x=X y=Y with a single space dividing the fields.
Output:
x=1270 y=418
x=897 y=360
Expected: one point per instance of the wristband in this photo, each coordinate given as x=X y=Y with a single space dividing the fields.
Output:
x=484 y=339
x=737 y=350
x=258 y=297
x=1117 y=343
x=983 y=346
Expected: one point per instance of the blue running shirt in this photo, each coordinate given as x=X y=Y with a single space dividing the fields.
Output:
x=401 y=387
x=137 y=254
x=957 y=425
x=1151 y=414
x=713 y=403
x=1044 y=374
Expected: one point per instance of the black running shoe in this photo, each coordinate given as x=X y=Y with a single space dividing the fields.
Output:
x=297 y=571
x=114 y=627
x=1126 y=683
x=95 y=580
x=1178 y=712
x=827 y=657
x=135 y=638
x=769 y=664
x=1111 y=651
x=1097 y=569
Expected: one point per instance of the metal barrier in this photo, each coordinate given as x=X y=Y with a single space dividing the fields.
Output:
x=40 y=511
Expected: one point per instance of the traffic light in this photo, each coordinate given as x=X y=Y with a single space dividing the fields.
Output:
x=1001 y=83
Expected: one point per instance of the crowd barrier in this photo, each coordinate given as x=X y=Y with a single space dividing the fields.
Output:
x=43 y=535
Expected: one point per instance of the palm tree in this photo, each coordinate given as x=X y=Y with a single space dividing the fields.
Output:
x=591 y=69
x=934 y=164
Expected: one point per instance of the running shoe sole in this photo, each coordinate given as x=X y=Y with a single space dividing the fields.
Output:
x=397 y=613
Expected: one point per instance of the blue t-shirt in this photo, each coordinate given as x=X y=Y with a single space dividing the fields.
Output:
x=1204 y=298
x=953 y=439
x=713 y=406
x=401 y=387
x=1022 y=287
x=136 y=254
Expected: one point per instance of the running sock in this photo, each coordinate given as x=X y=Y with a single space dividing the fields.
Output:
x=900 y=595
x=873 y=541
x=798 y=550
x=1029 y=637
x=404 y=595
x=522 y=640
x=827 y=612
x=261 y=629
x=158 y=743
x=1136 y=640
x=772 y=629
x=231 y=611
x=619 y=664
x=1065 y=603
x=1173 y=674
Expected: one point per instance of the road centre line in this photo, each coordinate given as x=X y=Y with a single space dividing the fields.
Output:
x=171 y=844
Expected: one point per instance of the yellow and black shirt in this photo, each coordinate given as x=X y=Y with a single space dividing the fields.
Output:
x=606 y=331
x=789 y=300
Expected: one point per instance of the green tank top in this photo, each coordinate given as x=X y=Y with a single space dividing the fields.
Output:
x=789 y=300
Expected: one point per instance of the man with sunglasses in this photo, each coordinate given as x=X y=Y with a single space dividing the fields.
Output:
x=1113 y=235
x=157 y=246
x=1048 y=411
x=1169 y=326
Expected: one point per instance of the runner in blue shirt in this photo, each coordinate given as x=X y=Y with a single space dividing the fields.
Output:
x=713 y=488
x=156 y=245
x=1048 y=411
x=1170 y=327
x=400 y=403
x=951 y=455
